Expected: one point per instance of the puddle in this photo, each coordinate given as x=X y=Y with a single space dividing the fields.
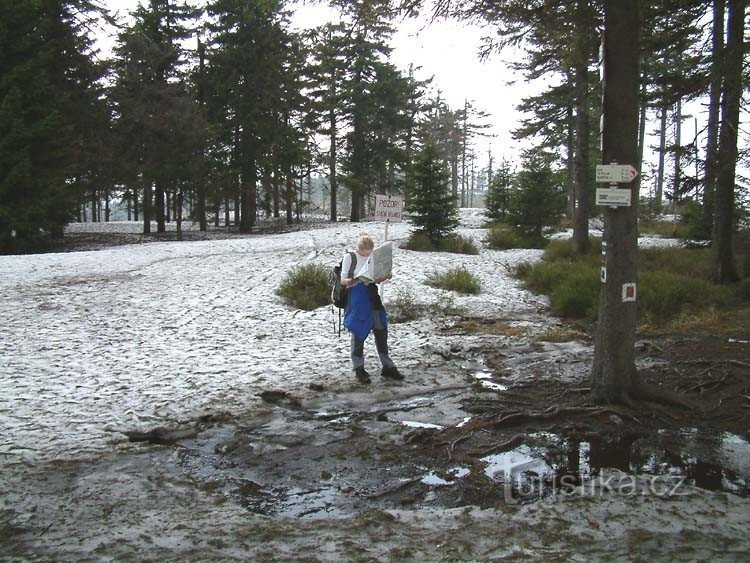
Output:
x=549 y=463
x=464 y=422
x=415 y=424
x=435 y=480
x=320 y=465
x=485 y=379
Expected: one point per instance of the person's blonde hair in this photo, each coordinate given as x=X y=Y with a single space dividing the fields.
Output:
x=364 y=241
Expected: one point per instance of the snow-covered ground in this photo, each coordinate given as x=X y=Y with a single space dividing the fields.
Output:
x=149 y=335
x=145 y=335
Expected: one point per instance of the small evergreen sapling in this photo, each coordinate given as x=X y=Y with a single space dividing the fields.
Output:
x=432 y=206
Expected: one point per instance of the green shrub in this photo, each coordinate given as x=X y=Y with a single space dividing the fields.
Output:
x=523 y=270
x=306 y=287
x=418 y=242
x=543 y=277
x=577 y=293
x=694 y=262
x=455 y=279
x=672 y=282
x=742 y=290
x=445 y=306
x=458 y=244
x=664 y=295
x=667 y=229
x=502 y=237
x=691 y=225
x=404 y=307
x=453 y=243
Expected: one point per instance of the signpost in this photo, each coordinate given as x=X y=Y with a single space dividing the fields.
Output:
x=388 y=208
x=614 y=174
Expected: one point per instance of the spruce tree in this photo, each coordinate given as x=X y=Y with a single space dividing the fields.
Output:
x=498 y=193
x=154 y=111
x=537 y=199
x=432 y=205
x=48 y=92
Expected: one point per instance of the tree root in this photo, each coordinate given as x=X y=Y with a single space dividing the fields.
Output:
x=645 y=392
x=556 y=411
x=515 y=441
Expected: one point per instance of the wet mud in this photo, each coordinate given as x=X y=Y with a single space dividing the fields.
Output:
x=323 y=457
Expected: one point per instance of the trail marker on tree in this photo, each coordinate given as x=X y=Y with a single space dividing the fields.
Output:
x=615 y=174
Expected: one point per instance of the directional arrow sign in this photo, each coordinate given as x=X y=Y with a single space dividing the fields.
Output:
x=615 y=173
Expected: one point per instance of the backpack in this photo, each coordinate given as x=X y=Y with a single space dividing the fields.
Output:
x=339 y=293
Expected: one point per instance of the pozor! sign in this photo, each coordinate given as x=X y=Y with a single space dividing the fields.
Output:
x=389 y=208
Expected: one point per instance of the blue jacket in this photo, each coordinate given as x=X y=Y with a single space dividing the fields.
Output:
x=358 y=315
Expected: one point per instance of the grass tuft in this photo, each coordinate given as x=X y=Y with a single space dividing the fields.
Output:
x=455 y=279
x=455 y=244
x=306 y=287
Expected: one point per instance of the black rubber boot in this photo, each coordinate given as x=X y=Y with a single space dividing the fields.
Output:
x=362 y=375
x=392 y=373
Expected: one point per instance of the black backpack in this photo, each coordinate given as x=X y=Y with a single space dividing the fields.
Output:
x=339 y=293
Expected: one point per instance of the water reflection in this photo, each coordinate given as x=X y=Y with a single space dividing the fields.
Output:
x=711 y=461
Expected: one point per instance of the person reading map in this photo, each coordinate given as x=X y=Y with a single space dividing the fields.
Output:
x=364 y=312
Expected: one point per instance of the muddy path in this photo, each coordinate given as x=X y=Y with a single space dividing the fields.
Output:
x=480 y=467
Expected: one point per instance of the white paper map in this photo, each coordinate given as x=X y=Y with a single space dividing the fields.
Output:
x=378 y=265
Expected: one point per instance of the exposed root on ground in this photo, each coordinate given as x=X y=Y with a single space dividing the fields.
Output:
x=553 y=412
x=652 y=394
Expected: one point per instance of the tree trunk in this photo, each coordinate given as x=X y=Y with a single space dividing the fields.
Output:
x=168 y=206
x=614 y=376
x=247 y=217
x=248 y=181
x=581 y=241
x=677 y=155
x=289 y=198
x=178 y=213
x=94 y=206
x=659 y=197
x=333 y=181
x=454 y=177
x=135 y=206
x=276 y=197
x=570 y=177
x=159 y=207
x=642 y=129
x=147 y=205
x=464 y=143
x=712 y=128
x=200 y=192
x=722 y=251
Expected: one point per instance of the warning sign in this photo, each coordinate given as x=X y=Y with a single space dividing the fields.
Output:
x=389 y=208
